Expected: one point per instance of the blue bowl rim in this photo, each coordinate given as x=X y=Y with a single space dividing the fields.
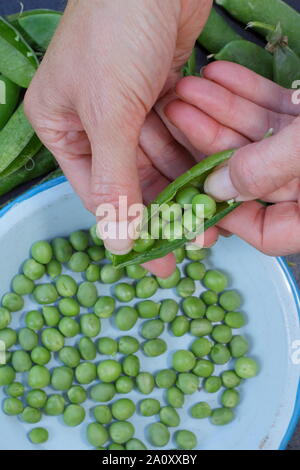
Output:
x=39 y=188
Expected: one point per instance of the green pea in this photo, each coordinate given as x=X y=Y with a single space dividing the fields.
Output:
x=173 y=230
x=102 y=414
x=62 y=378
x=103 y=392
x=146 y=287
x=230 y=398
x=124 y=292
x=69 y=307
x=145 y=383
x=180 y=326
x=36 y=398
x=128 y=345
x=209 y=297
x=222 y=416
x=212 y=384
x=201 y=347
x=131 y=365
x=52 y=339
x=68 y=327
x=168 y=310
x=201 y=327
x=159 y=434
x=38 y=435
x=86 y=372
x=215 y=280
x=69 y=356
x=235 y=320
x=8 y=336
x=87 y=349
x=124 y=384
x=197 y=254
x=40 y=355
x=196 y=271
x=152 y=329
x=109 y=370
x=186 y=287
x=179 y=254
x=13 y=302
x=87 y=294
x=95 y=236
x=73 y=415
x=105 y=306
x=97 y=434
x=12 y=406
x=246 y=368
x=121 y=431
x=33 y=270
x=222 y=334
x=31 y=415
x=165 y=378
x=34 y=320
x=188 y=383
x=123 y=409
x=5 y=318
x=186 y=440
x=7 y=375
x=28 y=339
x=209 y=205
x=230 y=300
x=79 y=240
x=144 y=243
x=45 y=294
x=220 y=354
x=239 y=346
x=126 y=318
x=66 y=286
x=22 y=285
x=51 y=316
x=92 y=273
x=230 y=379
x=96 y=253
x=110 y=275
x=15 y=390
x=136 y=271
x=175 y=397
x=185 y=195
x=90 y=325
x=169 y=282
x=54 y=268
x=193 y=307
x=148 y=309
x=183 y=361
x=79 y=262
x=55 y=405
x=135 y=444
x=201 y=410
x=154 y=347
x=38 y=377
x=149 y=407
x=169 y=416
x=42 y=252
x=215 y=314
x=107 y=346
x=62 y=250
x=21 y=361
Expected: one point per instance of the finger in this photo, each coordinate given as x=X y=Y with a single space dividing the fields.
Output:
x=252 y=87
x=162 y=267
x=204 y=132
x=152 y=182
x=231 y=110
x=259 y=169
x=274 y=230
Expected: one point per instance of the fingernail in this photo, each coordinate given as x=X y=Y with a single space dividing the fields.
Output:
x=115 y=236
x=202 y=70
x=219 y=185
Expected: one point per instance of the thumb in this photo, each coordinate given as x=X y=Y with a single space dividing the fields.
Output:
x=258 y=169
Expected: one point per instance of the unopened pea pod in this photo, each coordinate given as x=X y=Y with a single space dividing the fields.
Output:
x=196 y=176
x=271 y=12
x=217 y=33
x=39 y=26
x=9 y=96
x=24 y=158
x=18 y=62
x=191 y=65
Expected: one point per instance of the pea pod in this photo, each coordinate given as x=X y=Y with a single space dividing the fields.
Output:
x=217 y=33
x=9 y=97
x=33 y=146
x=39 y=26
x=195 y=176
x=271 y=12
x=191 y=65
x=18 y=62
x=249 y=55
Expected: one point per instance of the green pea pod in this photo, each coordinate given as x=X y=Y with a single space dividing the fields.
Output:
x=42 y=163
x=195 y=176
x=39 y=26
x=18 y=62
x=9 y=97
x=217 y=33
x=191 y=65
x=31 y=149
x=249 y=55
x=14 y=137
x=267 y=11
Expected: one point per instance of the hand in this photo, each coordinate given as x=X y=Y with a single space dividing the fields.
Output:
x=92 y=100
x=232 y=107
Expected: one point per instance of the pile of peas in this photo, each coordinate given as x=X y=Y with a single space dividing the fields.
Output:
x=65 y=309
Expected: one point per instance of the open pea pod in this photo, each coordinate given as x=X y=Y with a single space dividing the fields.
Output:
x=18 y=61
x=39 y=26
x=196 y=176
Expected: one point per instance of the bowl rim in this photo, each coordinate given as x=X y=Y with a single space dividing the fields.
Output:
x=44 y=186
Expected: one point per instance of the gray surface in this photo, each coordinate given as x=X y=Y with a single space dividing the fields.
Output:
x=13 y=6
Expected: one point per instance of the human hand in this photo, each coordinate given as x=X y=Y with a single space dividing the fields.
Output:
x=232 y=107
x=92 y=99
